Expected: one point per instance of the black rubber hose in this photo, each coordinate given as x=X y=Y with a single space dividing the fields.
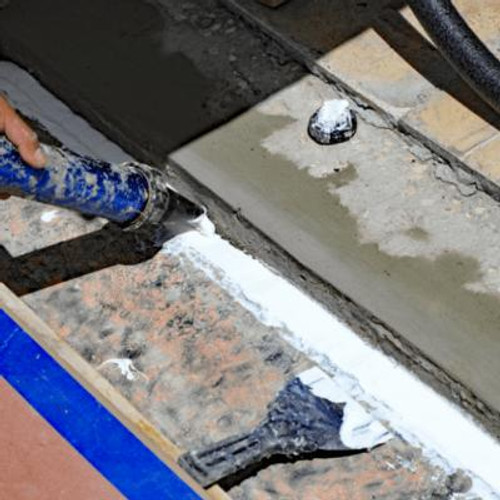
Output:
x=461 y=47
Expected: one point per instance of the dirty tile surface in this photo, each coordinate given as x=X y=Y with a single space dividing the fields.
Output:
x=379 y=50
x=203 y=367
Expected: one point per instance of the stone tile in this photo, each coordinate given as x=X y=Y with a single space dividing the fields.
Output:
x=378 y=475
x=205 y=368
x=450 y=124
x=371 y=66
x=484 y=19
x=485 y=159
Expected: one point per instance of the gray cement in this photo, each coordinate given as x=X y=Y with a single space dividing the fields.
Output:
x=372 y=218
x=310 y=30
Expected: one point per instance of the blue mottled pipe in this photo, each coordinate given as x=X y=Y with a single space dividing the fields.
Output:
x=127 y=194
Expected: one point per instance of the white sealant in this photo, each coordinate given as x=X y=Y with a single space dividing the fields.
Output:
x=446 y=434
x=49 y=215
x=421 y=416
x=126 y=367
x=333 y=113
x=359 y=430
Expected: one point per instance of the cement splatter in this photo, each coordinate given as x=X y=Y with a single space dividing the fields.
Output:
x=126 y=367
x=49 y=216
x=359 y=430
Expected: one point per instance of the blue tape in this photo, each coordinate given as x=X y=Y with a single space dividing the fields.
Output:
x=84 y=422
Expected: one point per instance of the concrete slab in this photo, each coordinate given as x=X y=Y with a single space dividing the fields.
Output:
x=372 y=218
x=378 y=51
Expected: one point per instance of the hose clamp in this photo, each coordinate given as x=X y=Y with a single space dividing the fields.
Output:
x=158 y=197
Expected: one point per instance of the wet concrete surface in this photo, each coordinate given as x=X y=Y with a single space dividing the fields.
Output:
x=370 y=217
x=154 y=74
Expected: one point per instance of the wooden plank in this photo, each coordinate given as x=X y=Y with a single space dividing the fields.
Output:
x=101 y=389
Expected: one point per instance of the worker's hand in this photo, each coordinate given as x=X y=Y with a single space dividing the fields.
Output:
x=21 y=135
x=14 y=127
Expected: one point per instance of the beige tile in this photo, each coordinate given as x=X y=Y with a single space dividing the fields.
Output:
x=483 y=17
x=370 y=66
x=450 y=124
x=486 y=159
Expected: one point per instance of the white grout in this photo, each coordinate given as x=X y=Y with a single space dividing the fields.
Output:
x=126 y=367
